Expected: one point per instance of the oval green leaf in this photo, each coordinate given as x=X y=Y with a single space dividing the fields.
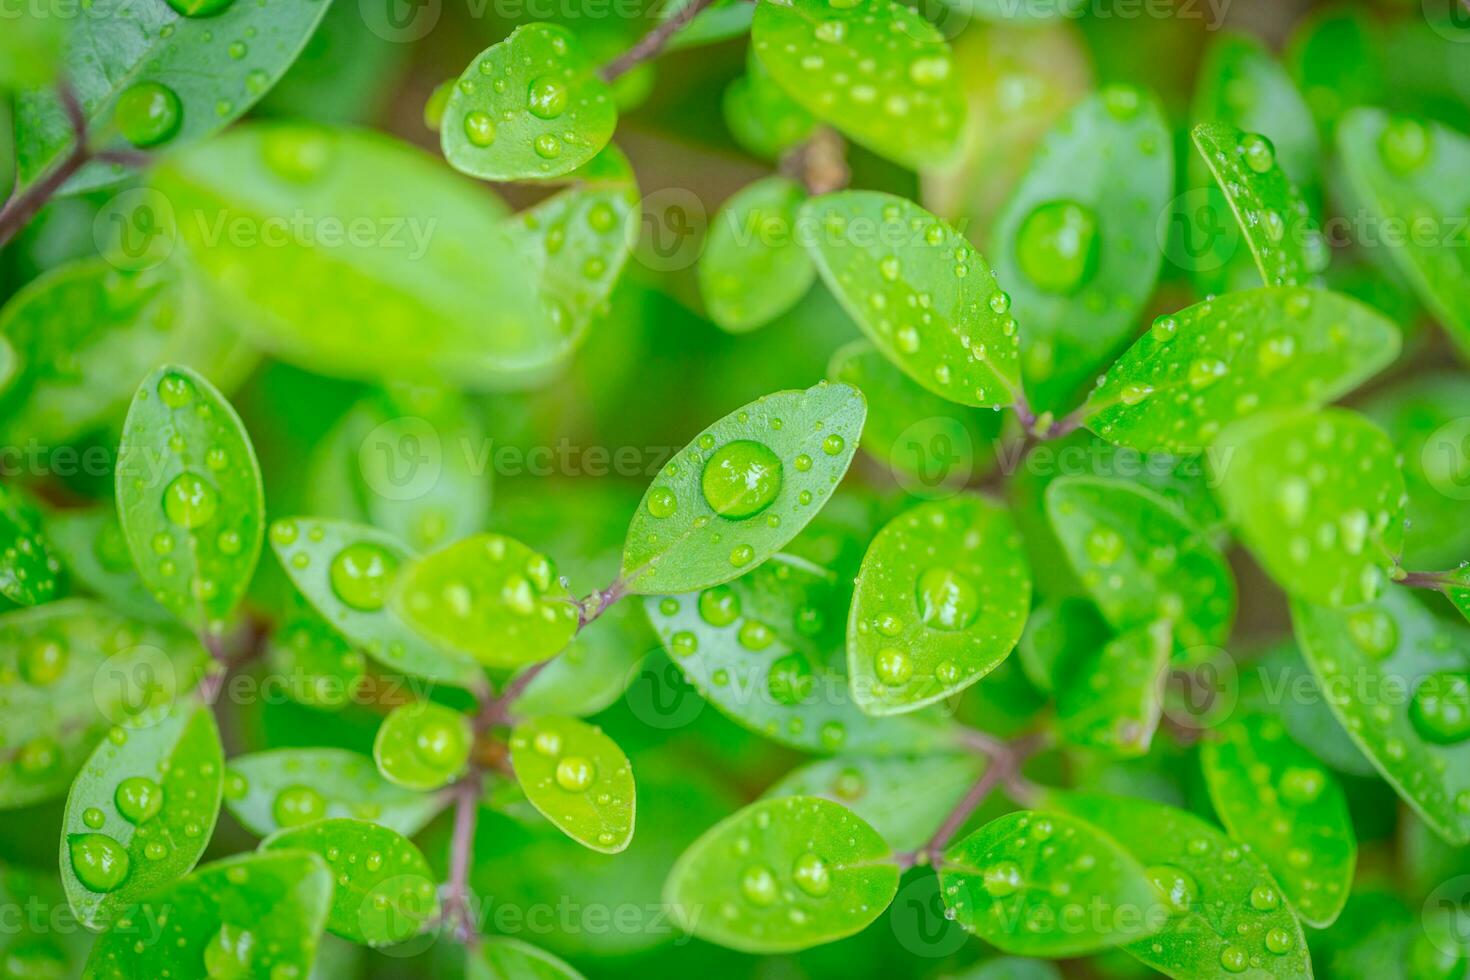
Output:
x=1235 y=356
x=384 y=889
x=189 y=497
x=91 y=545
x=1059 y=631
x=315 y=664
x=489 y=597
x=761 y=117
x=874 y=69
x=250 y=915
x=529 y=107
x=1141 y=560
x=1111 y=698
x=281 y=788
x=578 y=778
x=754 y=267
x=348 y=572
x=422 y=745
x=742 y=489
x=1048 y=884
x=1075 y=243
x=921 y=293
x=141 y=811
x=29 y=568
x=783 y=875
x=940 y=601
x=1319 y=501
x=500 y=957
x=1272 y=794
x=1415 y=734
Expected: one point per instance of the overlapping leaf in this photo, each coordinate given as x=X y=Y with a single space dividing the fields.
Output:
x=282 y=788
x=753 y=267
x=578 y=779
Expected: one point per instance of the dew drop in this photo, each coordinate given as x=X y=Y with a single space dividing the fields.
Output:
x=360 y=575
x=148 y=113
x=138 y=799
x=1057 y=246
x=189 y=500
x=741 y=479
x=99 y=862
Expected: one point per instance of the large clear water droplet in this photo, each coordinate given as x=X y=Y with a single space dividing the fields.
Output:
x=741 y=479
x=1058 y=246
x=1440 y=710
x=138 y=799
x=947 y=600
x=148 y=113
x=361 y=574
x=190 y=501
x=99 y=862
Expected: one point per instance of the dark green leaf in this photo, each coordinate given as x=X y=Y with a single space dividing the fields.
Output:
x=504 y=958
x=91 y=545
x=315 y=664
x=578 y=779
x=1111 y=698
x=1059 y=631
x=759 y=114
x=268 y=791
x=29 y=568
x=753 y=267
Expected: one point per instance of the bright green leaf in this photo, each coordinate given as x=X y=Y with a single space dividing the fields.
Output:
x=1075 y=244
x=753 y=267
x=150 y=76
x=1059 y=631
x=912 y=430
x=250 y=915
x=489 y=597
x=920 y=292
x=384 y=889
x=759 y=114
x=766 y=649
x=1141 y=560
x=1111 y=698
x=281 y=788
x=940 y=601
x=318 y=666
x=1272 y=794
x=1235 y=356
x=1223 y=911
x=529 y=107
x=742 y=489
x=422 y=745
x=436 y=289
x=1318 y=500
x=189 y=497
x=782 y=875
x=29 y=568
x=1406 y=171
x=35 y=946
x=141 y=811
x=91 y=545
x=504 y=958
x=1048 y=884
x=903 y=798
x=1396 y=677
x=578 y=778
x=904 y=106
x=347 y=572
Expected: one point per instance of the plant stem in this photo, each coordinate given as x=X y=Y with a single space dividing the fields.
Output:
x=1004 y=766
x=21 y=208
x=820 y=163
x=457 y=912
x=1425 y=580
x=651 y=44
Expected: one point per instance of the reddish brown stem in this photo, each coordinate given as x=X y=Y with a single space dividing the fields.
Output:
x=650 y=45
x=21 y=208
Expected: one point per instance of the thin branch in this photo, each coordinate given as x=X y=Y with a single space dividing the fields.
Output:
x=651 y=44
x=820 y=163
x=1426 y=580
x=1003 y=768
x=457 y=912
x=21 y=208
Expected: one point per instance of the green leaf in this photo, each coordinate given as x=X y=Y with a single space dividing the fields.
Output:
x=1141 y=560
x=248 y=916
x=1075 y=242
x=384 y=889
x=69 y=670
x=1059 y=631
x=920 y=292
x=141 y=811
x=422 y=745
x=268 y=791
x=874 y=69
x=1048 y=884
x=1424 y=418
x=545 y=113
x=91 y=545
x=317 y=666
x=1223 y=910
x=36 y=946
x=912 y=430
x=347 y=572
x=753 y=267
x=766 y=649
x=742 y=489
x=200 y=73
x=719 y=21
x=1111 y=698
x=489 y=597
x=1318 y=499
x=903 y=798
x=1271 y=794
x=29 y=568
x=1233 y=357
x=1304 y=712
x=940 y=601
x=578 y=779
x=1405 y=170
x=1395 y=676
x=1457 y=589
x=189 y=497
x=782 y=875
x=501 y=957
x=442 y=294
x=759 y=114
x=1272 y=214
